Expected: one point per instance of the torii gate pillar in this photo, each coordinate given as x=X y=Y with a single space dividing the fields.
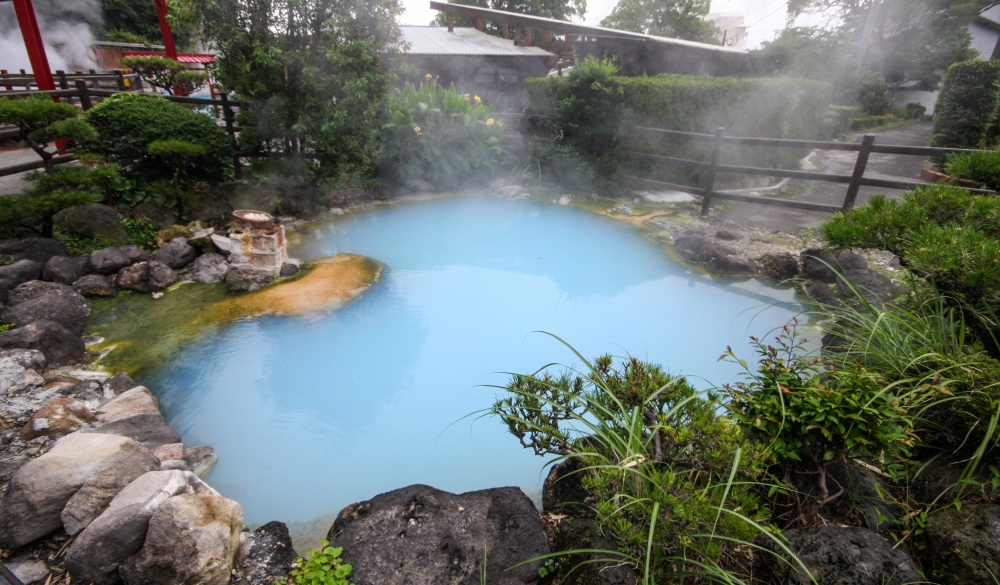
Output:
x=33 y=44
x=168 y=35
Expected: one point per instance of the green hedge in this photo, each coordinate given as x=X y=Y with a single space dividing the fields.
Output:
x=768 y=108
x=966 y=105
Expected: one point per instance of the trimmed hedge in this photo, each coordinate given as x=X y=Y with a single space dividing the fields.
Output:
x=966 y=105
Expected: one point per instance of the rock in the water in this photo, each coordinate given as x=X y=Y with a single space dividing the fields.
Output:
x=21 y=271
x=732 y=266
x=60 y=346
x=119 y=383
x=839 y=556
x=149 y=276
x=39 y=491
x=176 y=254
x=119 y=532
x=110 y=260
x=448 y=536
x=149 y=430
x=137 y=400
x=779 y=266
x=210 y=267
x=963 y=546
x=62 y=269
x=91 y=220
x=192 y=539
x=290 y=268
x=824 y=265
x=95 y=285
x=266 y=557
x=200 y=459
x=110 y=477
x=37 y=249
x=59 y=417
x=246 y=278
x=701 y=249
x=69 y=310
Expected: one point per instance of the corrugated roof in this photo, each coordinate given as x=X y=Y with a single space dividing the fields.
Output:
x=181 y=57
x=436 y=40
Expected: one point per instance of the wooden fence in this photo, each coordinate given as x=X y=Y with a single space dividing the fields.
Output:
x=117 y=79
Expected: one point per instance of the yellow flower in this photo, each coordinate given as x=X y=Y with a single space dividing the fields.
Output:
x=429 y=76
x=478 y=101
x=417 y=129
x=489 y=122
x=466 y=97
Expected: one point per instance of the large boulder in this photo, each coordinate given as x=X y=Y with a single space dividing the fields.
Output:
x=109 y=261
x=838 y=556
x=137 y=400
x=825 y=265
x=265 y=557
x=149 y=430
x=118 y=383
x=37 y=288
x=70 y=311
x=176 y=253
x=110 y=477
x=39 y=491
x=37 y=249
x=701 y=249
x=21 y=271
x=963 y=546
x=448 y=536
x=192 y=538
x=148 y=276
x=91 y=220
x=95 y=285
x=733 y=266
x=118 y=533
x=57 y=418
x=62 y=269
x=246 y=278
x=60 y=346
x=210 y=267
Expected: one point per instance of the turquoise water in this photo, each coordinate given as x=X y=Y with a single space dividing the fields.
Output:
x=311 y=414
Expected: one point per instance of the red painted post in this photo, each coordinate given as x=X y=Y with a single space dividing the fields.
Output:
x=168 y=35
x=33 y=44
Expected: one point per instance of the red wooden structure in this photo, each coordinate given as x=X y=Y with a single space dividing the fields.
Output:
x=33 y=44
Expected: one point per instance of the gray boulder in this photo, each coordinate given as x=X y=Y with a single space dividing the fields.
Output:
x=118 y=383
x=210 y=267
x=108 y=479
x=137 y=400
x=95 y=285
x=824 y=265
x=448 y=536
x=176 y=253
x=246 y=278
x=91 y=220
x=30 y=572
x=701 y=249
x=69 y=311
x=963 y=546
x=118 y=533
x=266 y=557
x=37 y=249
x=733 y=266
x=192 y=538
x=36 y=288
x=839 y=556
x=31 y=359
x=110 y=260
x=148 y=276
x=200 y=459
x=57 y=418
x=21 y=271
x=62 y=269
x=40 y=489
x=149 y=430
x=160 y=216
x=60 y=346
x=779 y=266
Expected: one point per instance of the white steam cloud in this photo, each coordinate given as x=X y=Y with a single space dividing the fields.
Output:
x=66 y=29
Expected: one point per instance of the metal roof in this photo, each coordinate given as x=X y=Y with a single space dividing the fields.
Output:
x=436 y=40
x=181 y=57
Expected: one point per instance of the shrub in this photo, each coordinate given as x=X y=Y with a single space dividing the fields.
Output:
x=323 y=567
x=588 y=109
x=915 y=111
x=966 y=105
x=166 y=73
x=40 y=120
x=50 y=193
x=871 y=95
x=127 y=124
x=439 y=135
x=982 y=166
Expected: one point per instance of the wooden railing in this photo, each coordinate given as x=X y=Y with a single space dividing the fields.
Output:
x=117 y=79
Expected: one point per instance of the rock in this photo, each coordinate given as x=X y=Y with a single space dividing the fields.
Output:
x=60 y=346
x=266 y=557
x=31 y=289
x=729 y=236
x=138 y=400
x=223 y=243
x=95 y=285
x=866 y=489
x=289 y=268
x=247 y=278
x=824 y=265
x=62 y=269
x=210 y=267
x=732 y=266
x=5 y=285
x=31 y=359
x=37 y=249
x=701 y=249
x=41 y=488
x=963 y=546
x=168 y=452
x=91 y=220
x=149 y=276
x=177 y=253
x=779 y=267
x=29 y=572
x=119 y=383
x=149 y=430
x=192 y=538
x=592 y=568
x=107 y=480
x=21 y=271
x=200 y=459
x=69 y=311
x=10 y=372
x=874 y=287
x=110 y=260
x=563 y=491
x=59 y=417
x=446 y=535
x=119 y=532
x=160 y=216
x=839 y=556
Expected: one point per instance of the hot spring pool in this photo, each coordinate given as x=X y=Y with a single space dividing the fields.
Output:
x=311 y=414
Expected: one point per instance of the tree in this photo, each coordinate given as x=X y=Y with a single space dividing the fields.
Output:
x=135 y=21
x=682 y=19
x=557 y=9
x=166 y=74
x=313 y=70
x=41 y=121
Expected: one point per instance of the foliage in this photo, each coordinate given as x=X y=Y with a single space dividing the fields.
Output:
x=127 y=124
x=438 y=135
x=871 y=95
x=323 y=567
x=136 y=21
x=674 y=489
x=682 y=20
x=557 y=9
x=166 y=74
x=966 y=105
x=808 y=416
x=981 y=166
x=40 y=120
x=313 y=70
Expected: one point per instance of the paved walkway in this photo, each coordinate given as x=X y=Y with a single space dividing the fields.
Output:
x=881 y=166
x=11 y=155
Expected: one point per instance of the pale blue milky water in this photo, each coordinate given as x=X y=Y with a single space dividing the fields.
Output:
x=311 y=414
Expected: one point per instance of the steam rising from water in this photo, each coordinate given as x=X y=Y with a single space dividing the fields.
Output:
x=67 y=32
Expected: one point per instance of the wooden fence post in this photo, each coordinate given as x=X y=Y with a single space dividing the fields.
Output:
x=85 y=101
x=706 y=200
x=63 y=79
x=859 y=171
x=227 y=114
x=121 y=80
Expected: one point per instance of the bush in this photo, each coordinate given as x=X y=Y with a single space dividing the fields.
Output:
x=127 y=124
x=982 y=166
x=915 y=111
x=50 y=193
x=871 y=95
x=588 y=109
x=439 y=135
x=966 y=105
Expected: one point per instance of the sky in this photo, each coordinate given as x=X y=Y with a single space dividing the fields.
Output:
x=764 y=17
